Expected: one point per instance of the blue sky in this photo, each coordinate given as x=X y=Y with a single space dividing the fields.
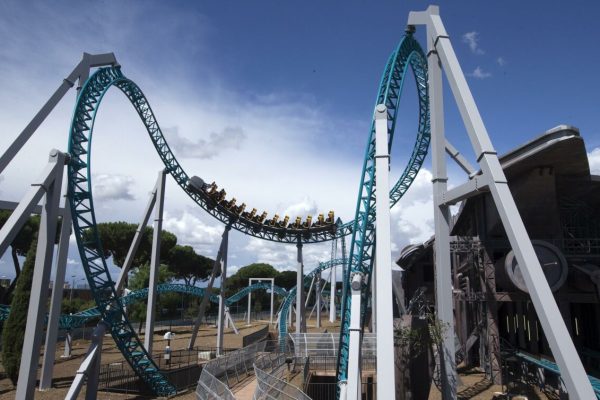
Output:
x=273 y=99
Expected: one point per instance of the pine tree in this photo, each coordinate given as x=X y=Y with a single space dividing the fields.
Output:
x=14 y=328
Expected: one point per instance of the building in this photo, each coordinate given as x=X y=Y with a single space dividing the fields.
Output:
x=558 y=199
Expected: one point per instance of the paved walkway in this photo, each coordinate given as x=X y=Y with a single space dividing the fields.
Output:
x=247 y=391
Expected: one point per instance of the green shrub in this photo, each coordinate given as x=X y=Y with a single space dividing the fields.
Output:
x=14 y=328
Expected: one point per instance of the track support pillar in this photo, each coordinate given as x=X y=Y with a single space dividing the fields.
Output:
x=36 y=313
x=155 y=262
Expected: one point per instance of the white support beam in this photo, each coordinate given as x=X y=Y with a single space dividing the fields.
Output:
x=383 y=296
x=459 y=159
x=352 y=388
x=221 y=315
x=217 y=268
x=462 y=192
x=563 y=349
x=36 y=313
x=155 y=262
x=79 y=73
x=55 y=303
x=137 y=239
x=300 y=317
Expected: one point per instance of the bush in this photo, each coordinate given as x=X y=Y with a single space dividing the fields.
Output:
x=14 y=329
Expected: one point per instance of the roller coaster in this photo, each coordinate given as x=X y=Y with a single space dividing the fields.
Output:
x=407 y=59
x=109 y=304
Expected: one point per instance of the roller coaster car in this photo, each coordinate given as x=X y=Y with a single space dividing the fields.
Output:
x=262 y=217
x=320 y=221
x=212 y=188
x=330 y=218
x=308 y=222
x=249 y=215
x=284 y=224
x=231 y=203
x=239 y=209
x=273 y=221
x=298 y=223
x=220 y=196
x=196 y=184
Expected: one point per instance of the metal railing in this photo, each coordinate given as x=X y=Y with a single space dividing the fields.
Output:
x=220 y=374
x=270 y=369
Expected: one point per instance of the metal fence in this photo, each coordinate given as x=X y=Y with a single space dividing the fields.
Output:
x=220 y=374
x=270 y=369
x=182 y=368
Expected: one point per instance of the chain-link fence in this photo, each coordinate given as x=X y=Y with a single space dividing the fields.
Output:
x=220 y=374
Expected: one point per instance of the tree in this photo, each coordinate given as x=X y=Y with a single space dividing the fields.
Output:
x=14 y=329
x=239 y=280
x=189 y=266
x=116 y=238
x=19 y=246
x=286 y=279
x=141 y=280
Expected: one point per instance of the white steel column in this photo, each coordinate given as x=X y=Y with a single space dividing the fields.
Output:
x=318 y=298
x=272 y=300
x=135 y=243
x=155 y=261
x=354 y=375
x=249 y=301
x=300 y=323
x=221 y=316
x=383 y=261
x=55 y=301
x=36 y=313
x=332 y=283
x=563 y=349
x=217 y=267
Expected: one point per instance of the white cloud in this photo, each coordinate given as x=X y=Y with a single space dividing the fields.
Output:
x=191 y=230
x=594 y=160
x=472 y=39
x=302 y=209
x=501 y=61
x=71 y=261
x=479 y=73
x=412 y=218
x=228 y=138
x=112 y=187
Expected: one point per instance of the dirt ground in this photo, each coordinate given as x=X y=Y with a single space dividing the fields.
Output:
x=473 y=385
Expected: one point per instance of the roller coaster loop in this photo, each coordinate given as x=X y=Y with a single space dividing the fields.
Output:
x=84 y=219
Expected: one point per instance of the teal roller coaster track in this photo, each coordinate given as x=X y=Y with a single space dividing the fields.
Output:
x=110 y=305
x=76 y=320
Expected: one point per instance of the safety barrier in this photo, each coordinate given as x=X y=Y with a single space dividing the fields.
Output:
x=270 y=369
x=220 y=374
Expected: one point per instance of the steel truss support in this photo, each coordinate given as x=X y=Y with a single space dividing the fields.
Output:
x=137 y=239
x=217 y=267
x=383 y=297
x=229 y=320
x=80 y=73
x=49 y=187
x=250 y=280
x=318 y=298
x=90 y=367
x=441 y=54
x=352 y=388
x=221 y=316
x=300 y=310
x=155 y=261
x=55 y=302
x=332 y=285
